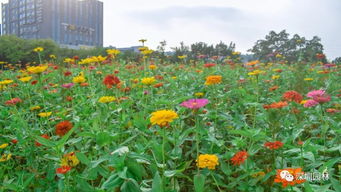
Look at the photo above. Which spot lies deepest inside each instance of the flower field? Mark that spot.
(106, 124)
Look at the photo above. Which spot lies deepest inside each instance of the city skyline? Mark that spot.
(242, 22)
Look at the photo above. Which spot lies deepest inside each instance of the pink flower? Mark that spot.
(13, 101)
(322, 99)
(310, 103)
(316, 93)
(194, 103)
(68, 85)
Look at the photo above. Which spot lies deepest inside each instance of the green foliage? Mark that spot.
(291, 49)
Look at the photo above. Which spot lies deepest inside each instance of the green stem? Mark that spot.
(215, 181)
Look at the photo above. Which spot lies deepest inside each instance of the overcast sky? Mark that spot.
(211, 21)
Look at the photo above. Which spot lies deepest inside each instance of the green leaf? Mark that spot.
(65, 138)
(130, 186)
(199, 183)
(82, 158)
(103, 138)
(336, 184)
(112, 182)
(45, 142)
(157, 183)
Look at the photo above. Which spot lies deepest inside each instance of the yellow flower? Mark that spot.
(106, 99)
(52, 56)
(199, 94)
(6, 82)
(147, 52)
(113, 52)
(235, 53)
(174, 77)
(148, 80)
(163, 117)
(35, 108)
(182, 56)
(256, 72)
(279, 56)
(214, 79)
(308, 79)
(37, 69)
(3, 145)
(70, 160)
(25, 79)
(207, 161)
(79, 79)
(69, 60)
(276, 76)
(303, 102)
(5, 157)
(45, 114)
(38, 49)
(152, 67)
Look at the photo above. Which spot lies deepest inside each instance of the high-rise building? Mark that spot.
(70, 23)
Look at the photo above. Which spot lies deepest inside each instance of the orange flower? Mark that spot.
(278, 105)
(289, 176)
(239, 158)
(214, 79)
(273, 88)
(63, 127)
(273, 145)
(158, 85)
(111, 80)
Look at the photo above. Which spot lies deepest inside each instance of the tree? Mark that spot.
(279, 46)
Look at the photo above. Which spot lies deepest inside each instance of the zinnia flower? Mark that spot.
(70, 160)
(289, 176)
(194, 103)
(148, 80)
(239, 158)
(208, 65)
(214, 79)
(45, 114)
(292, 96)
(273, 145)
(316, 93)
(111, 80)
(68, 85)
(163, 117)
(5, 157)
(63, 127)
(310, 103)
(79, 79)
(207, 161)
(3, 146)
(106, 99)
(63, 169)
(37, 69)
(275, 105)
(13, 101)
(25, 79)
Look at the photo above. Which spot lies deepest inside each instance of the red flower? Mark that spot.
(67, 73)
(111, 80)
(14, 141)
(273, 88)
(292, 96)
(63, 127)
(332, 110)
(208, 65)
(273, 145)
(69, 98)
(75, 57)
(63, 169)
(13, 101)
(43, 136)
(34, 82)
(239, 158)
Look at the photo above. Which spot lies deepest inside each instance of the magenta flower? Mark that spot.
(194, 103)
(316, 93)
(68, 85)
(310, 103)
(319, 96)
